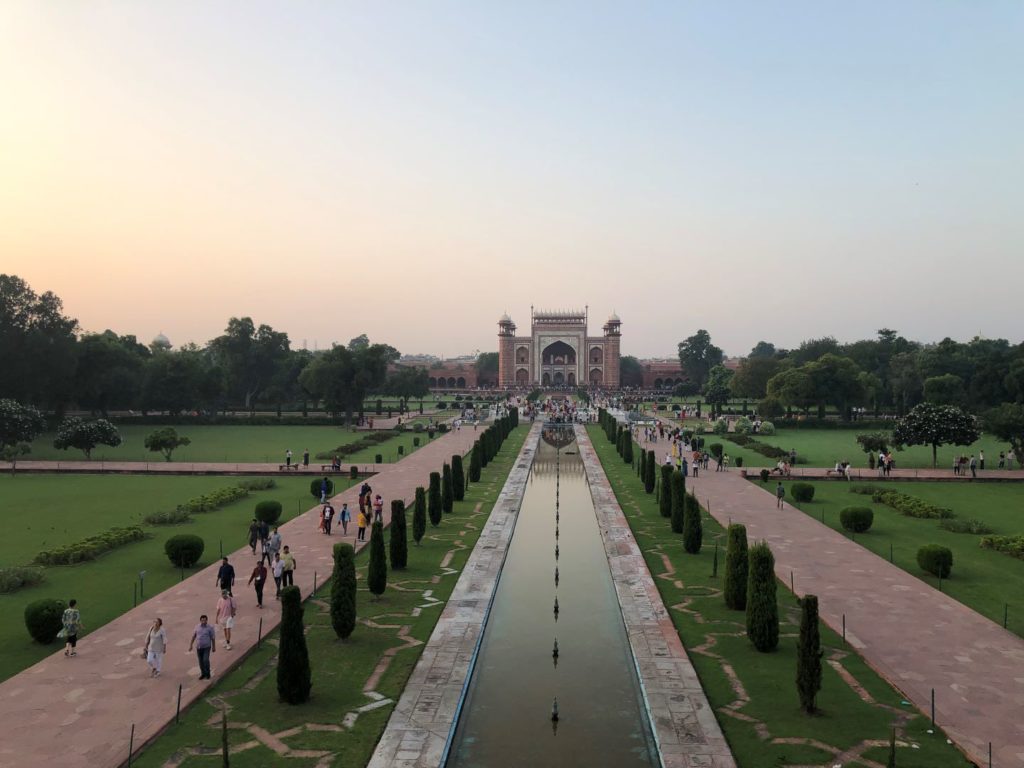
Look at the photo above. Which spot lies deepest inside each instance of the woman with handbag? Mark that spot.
(156, 647)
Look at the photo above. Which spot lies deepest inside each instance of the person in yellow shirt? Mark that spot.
(362, 526)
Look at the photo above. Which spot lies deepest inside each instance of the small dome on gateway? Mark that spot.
(614, 318)
(505, 318)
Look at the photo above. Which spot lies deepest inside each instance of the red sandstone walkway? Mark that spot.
(915, 636)
(79, 712)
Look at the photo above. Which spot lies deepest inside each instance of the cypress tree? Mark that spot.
(642, 465)
(808, 654)
(678, 500)
(377, 575)
(474, 463)
(620, 440)
(447, 493)
(419, 515)
(736, 568)
(458, 478)
(891, 761)
(693, 530)
(398, 543)
(294, 678)
(649, 473)
(434, 499)
(485, 447)
(665, 492)
(343, 590)
(627, 449)
(762, 606)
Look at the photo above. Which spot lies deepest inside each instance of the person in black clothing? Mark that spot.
(226, 576)
(254, 534)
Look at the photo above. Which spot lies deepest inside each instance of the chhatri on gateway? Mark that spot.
(558, 351)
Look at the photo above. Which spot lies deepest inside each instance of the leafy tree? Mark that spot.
(874, 442)
(814, 349)
(419, 515)
(182, 380)
(762, 350)
(649, 468)
(408, 382)
(447, 492)
(1007, 423)
(936, 425)
(836, 381)
(165, 440)
(762, 604)
(487, 368)
(398, 543)
(109, 371)
(697, 356)
(693, 529)
(434, 499)
(627, 447)
(343, 590)
(947, 389)
(905, 381)
(86, 435)
(751, 378)
(475, 466)
(808, 654)
(665, 492)
(343, 376)
(736, 567)
(294, 678)
(19, 426)
(249, 357)
(793, 387)
(377, 572)
(716, 390)
(458, 478)
(631, 372)
(678, 485)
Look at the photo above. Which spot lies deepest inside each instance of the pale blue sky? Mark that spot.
(762, 170)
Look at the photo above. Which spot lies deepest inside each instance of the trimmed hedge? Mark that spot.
(268, 512)
(43, 620)
(184, 550)
(90, 548)
(857, 519)
(175, 517)
(935, 559)
(911, 506)
(1008, 545)
(314, 487)
(964, 526)
(368, 440)
(258, 484)
(802, 492)
(214, 499)
(14, 578)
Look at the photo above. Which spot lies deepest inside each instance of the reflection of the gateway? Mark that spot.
(558, 435)
(546, 467)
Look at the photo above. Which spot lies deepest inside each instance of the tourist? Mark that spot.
(685, 467)
(277, 569)
(345, 516)
(288, 457)
(226, 576)
(204, 639)
(254, 535)
(290, 564)
(1002, 460)
(718, 462)
(225, 613)
(71, 623)
(328, 516)
(264, 532)
(325, 486)
(981, 460)
(305, 458)
(956, 465)
(974, 466)
(258, 578)
(378, 509)
(780, 494)
(156, 647)
(725, 462)
(361, 533)
(696, 463)
(1010, 455)
(273, 545)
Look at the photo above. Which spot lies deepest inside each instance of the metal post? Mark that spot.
(844, 629)
(314, 582)
(792, 584)
(933, 707)
(177, 712)
(940, 580)
(990, 754)
(890, 552)
(222, 548)
(131, 745)
(1006, 613)
(259, 634)
(135, 594)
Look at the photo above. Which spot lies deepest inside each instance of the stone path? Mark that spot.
(917, 637)
(190, 468)
(684, 725)
(418, 732)
(79, 711)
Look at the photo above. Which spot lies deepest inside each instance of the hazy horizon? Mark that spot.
(412, 171)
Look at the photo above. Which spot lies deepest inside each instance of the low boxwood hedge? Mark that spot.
(935, 559)
(268, 511)
(857, 519)
(90, 548)
(185, 549)
(43, 619)
(803, 492)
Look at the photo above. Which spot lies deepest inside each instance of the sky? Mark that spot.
(412, 170)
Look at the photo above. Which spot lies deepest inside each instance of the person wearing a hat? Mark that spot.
(225, 614)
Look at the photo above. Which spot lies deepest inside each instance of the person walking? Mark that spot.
(274, 543)
(981, 460)
(361, 533)
(226, 576)
(288, 457)
(156, 647)
(71, 623)
(378, 509)
(328, 513)
(277, 569)
(264, 532)
(780, 494)
(345, 516)
(974, 466)
(204, 639)
(325, 485)
(290, 565)
(254, 534)
(258, 578)
(225, 612)
(305, 458)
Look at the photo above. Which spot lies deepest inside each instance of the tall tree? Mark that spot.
(717, 391)
(762, 350)
(631, 372)
(249, 357)
(808, 654)
(693, 528)
(434, 499)
(419, 515)
(936, 425)
(1007, 423)
(109, 372)
(751, 378)
(398, 544)
(697, 356)
(19, 426)
(343, 590)
(947, 389)
(343, 376)
(487, 368)
(812, 349)
(762, 603)
(736, 567)
(678, 500)
(294, 678)
(377, 571)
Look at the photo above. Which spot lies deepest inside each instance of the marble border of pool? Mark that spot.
(684, 725)
(421, 727)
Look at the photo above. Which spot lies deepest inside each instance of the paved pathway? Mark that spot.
(915, 636)
(79, 712)
(188, 468)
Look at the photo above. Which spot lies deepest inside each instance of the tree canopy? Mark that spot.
(935, 425)
(697, 356)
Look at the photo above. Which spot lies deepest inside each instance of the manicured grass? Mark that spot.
(340, 669)
(46, 511)
(983, 579)
(715, 640)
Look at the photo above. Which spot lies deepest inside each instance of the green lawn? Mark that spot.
(749, 689)
(983, 579)
(340, 669)
(230, 443)
(43, 511)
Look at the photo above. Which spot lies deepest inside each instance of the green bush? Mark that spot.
(15, 577)
(767, 428)
(965, 526)
(368, 440)
(678, 500)
(353, 472)
(434, 499)
(398, 543)
(447, 491)
(739, 461)
(910, 506)
(419, 515)
(665, 491)
(257, 484)
(90, 548)
(294, 678)
(716, 450)
(214, 499)
(857, 519)
(762, 604)
(935, 559)
(416, 440)
(743, 426)
(808, 654)
(1008, 545)
(343, 590)
(693, 529)
(377, 572)
(475, 462)
(720, 427)
(43, 620)
(649, 475)
(378, 459)
(765, 474)
(268, 512)
(458, 478)
(184, 550)
(802, 492)
(175, 517)
(736, 568)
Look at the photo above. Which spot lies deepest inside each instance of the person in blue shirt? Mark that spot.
(204, 639)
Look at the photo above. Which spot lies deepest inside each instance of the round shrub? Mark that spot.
(353, 472)
(720, 427)
(935, 559)
(739, 461)
(417, 427)
(716, 450)
(268, 512)
(765, 474)
(744, 426)
(43, 620)
(857, 519)
(185, 549)
(802, 492)
(314, 487)
(767, 428)
(401, 450)
(378, 459)
(416, 440)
